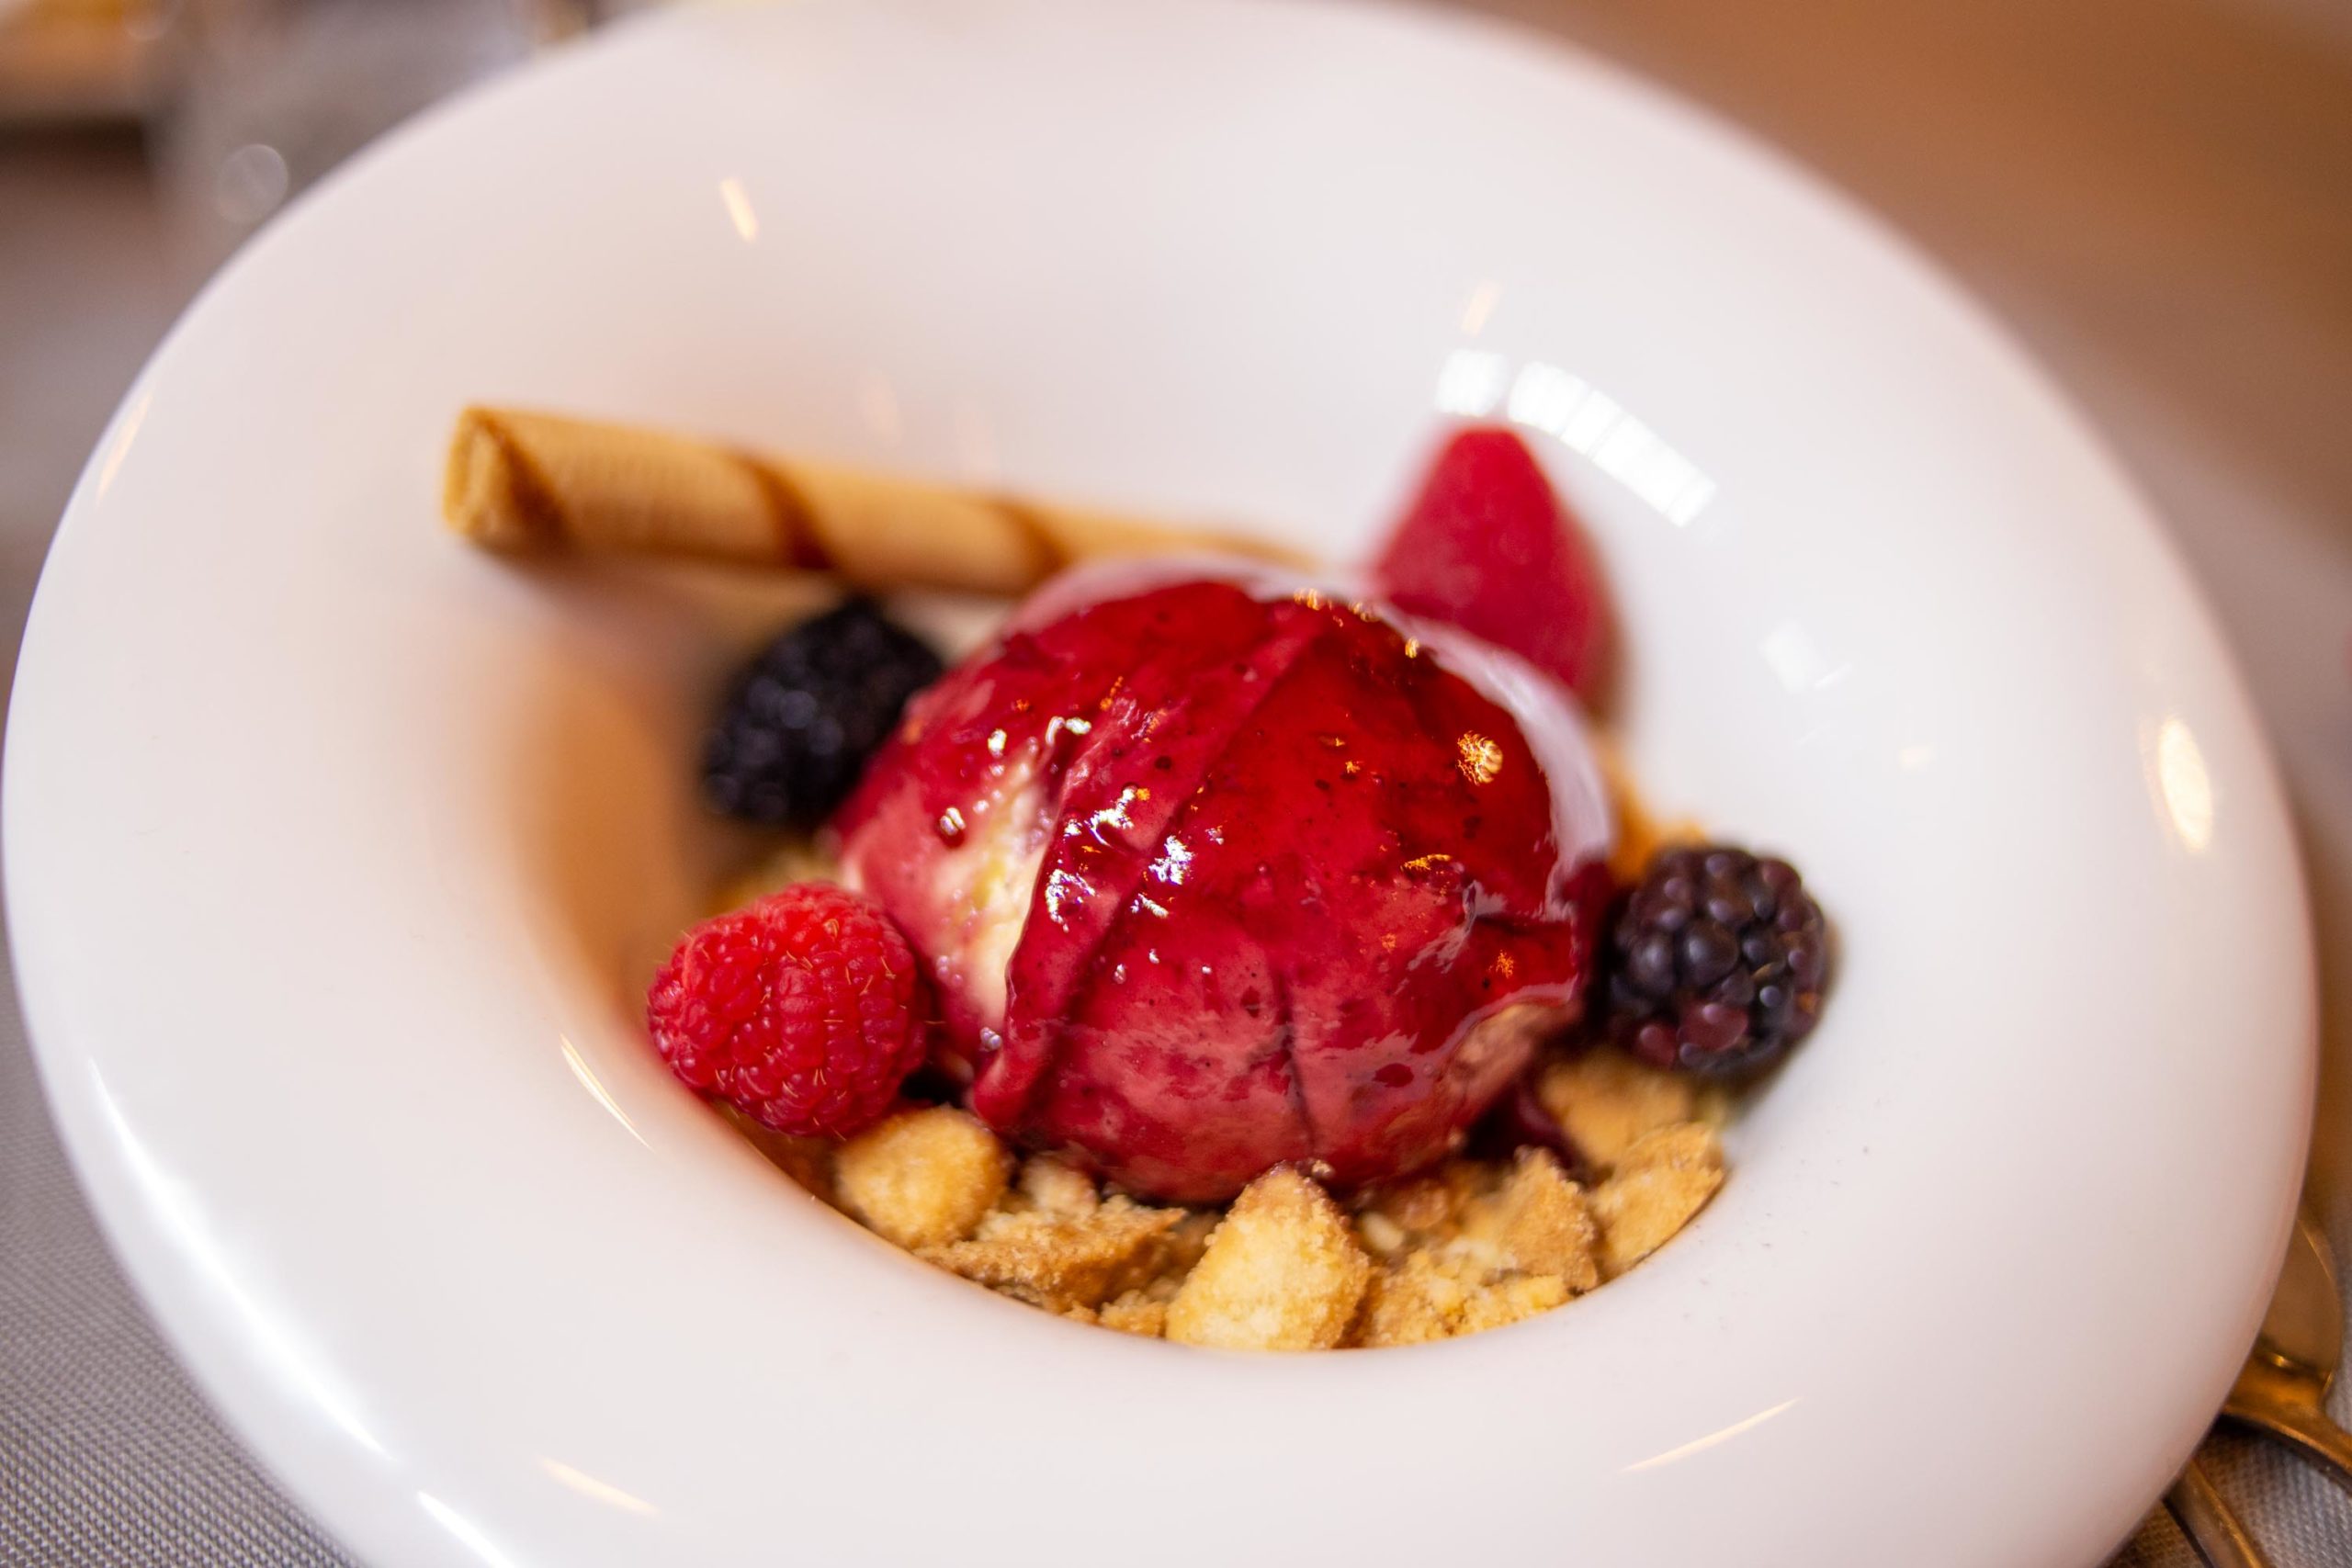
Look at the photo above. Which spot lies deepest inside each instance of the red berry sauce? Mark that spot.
(1290, 858)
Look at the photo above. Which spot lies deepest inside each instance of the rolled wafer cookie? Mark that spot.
(522, 483)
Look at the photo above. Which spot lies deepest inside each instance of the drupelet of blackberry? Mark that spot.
(1715, 962)
(801, 719)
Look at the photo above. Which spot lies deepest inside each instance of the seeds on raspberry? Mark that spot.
(805, 1010)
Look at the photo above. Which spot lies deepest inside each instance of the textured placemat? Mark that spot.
(108, 1457)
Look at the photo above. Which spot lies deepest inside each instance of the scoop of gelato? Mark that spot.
(1216, 874)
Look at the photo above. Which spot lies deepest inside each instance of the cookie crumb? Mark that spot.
(1057, 1262)
(1424, 1209)
(1467, 1247)
(1187, 1240)
(1412, 1302)
(1055, 1186)
(1540, 1224)
(1134, 1313)
(1283, 1272)
(1658, 1184)
(1606, 1100)
(1511, 1301)
(923, 1178)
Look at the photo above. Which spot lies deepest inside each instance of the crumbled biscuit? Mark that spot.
(923, 1178)
(1054, 1186)
(1425, 1209)
(1186, 1242)
(1523, 1245)
(1605, 1100)
(1144, 1309)
(1136, 1313)
(1539, 1222)
(1465, 1182)
(1057, 1262)
(1411, 1208)
(1382, 1237)
(1448, 1290)
(1665, 1177)
(1412, 1302)
(1511, 1300)
(1283, 1272)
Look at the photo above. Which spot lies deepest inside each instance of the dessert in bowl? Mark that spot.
(374, 1122)
(1207, 881)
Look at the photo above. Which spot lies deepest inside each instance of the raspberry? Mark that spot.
(1487, 545)
(1717, 961)
(802, 1010)
(801, 719)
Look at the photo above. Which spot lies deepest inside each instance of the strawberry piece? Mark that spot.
(1487, 545)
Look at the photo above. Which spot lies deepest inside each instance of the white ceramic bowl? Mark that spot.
(335, 848)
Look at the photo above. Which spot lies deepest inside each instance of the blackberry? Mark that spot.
(1715, 962)
(801, 719)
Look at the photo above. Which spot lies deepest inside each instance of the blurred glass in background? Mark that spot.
(245, 102)
(266, 96)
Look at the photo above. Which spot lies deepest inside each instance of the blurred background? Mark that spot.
(2157, 195)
